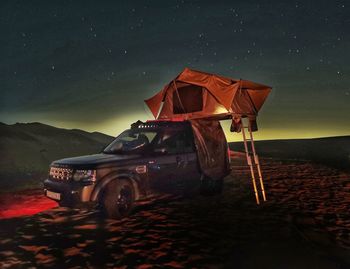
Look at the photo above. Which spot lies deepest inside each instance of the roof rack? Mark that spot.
(170, 119)
(157, 123)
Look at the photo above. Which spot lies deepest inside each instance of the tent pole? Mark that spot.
(257, 163)
(249, 161)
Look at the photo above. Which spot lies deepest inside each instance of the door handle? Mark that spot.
(180, 161)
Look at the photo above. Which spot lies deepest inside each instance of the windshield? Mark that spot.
(131, 141)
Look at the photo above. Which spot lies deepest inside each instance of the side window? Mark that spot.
(177, 142)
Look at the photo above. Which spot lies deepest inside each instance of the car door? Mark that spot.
(167, 167)
(191, 170)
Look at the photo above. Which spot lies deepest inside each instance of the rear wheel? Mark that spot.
(118, 199)
(211, 186)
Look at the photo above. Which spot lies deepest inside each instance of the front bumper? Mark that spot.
(70, 193)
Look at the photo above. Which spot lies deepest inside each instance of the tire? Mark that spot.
(118, 199)
(210, 186)
(63, 204)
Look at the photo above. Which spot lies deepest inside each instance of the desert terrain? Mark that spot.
(304, 224)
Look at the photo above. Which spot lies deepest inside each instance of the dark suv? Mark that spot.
(150, 158)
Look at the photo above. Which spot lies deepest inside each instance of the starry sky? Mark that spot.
(90, 64)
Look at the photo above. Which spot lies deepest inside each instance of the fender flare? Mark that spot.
(103, 182)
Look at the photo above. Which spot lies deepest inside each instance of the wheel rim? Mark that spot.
(124, 200)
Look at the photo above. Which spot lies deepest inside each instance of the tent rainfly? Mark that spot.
(202, 98)
(195, 94)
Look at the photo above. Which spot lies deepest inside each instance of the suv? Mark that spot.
(147, 159)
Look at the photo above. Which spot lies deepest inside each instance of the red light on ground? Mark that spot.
(24, 203)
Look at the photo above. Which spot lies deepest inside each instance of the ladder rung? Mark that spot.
(249, 160)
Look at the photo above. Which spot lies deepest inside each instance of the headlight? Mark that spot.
(85, 175)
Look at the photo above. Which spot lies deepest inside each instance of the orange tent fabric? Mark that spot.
(195, 94)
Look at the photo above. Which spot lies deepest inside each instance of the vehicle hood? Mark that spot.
(95, 159)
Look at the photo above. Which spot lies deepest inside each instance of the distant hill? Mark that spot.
(27, 149)
(332, 151)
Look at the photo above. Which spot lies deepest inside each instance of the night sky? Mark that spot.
(90, 64)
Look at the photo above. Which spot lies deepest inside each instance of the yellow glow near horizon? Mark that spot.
(114, 127)
(294, 130)
(111, 127)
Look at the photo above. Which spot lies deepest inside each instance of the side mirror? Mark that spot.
(160, 150)
(103, 148)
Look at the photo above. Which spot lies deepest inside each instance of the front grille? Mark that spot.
(61, 173)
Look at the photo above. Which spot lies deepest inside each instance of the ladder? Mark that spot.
(253, 166)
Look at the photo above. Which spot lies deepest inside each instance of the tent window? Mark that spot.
(191, 97)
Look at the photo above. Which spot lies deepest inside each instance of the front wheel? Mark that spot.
(118, 199)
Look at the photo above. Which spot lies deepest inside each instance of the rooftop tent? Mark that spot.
(204, 99)
(195, 94)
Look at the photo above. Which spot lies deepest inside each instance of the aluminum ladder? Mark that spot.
(253, 166)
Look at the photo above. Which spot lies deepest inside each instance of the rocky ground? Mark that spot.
(304, 224)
